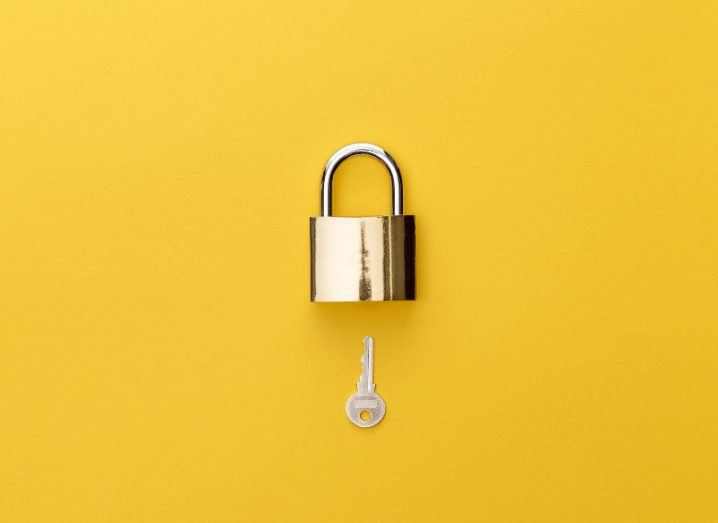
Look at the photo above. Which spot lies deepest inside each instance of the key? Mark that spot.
(365, 408)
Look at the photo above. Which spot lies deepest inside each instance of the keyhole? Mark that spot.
(365, 415)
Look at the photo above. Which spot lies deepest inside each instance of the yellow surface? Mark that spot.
(160, 360)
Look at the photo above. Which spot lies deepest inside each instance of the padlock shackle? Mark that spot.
(342, 154)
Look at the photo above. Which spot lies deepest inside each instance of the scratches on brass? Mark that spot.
(364, 279)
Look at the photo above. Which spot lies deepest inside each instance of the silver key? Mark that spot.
(365, 407)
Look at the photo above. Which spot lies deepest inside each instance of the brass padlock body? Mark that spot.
(363, 259)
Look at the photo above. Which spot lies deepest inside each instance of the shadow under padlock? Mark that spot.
(365, 258)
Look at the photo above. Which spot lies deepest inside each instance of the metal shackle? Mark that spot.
(397, 190)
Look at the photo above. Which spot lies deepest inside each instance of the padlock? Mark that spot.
(366, 258)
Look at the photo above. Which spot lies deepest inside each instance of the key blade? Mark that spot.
(366, 380)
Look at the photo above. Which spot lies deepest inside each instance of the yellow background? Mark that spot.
(159, 356)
